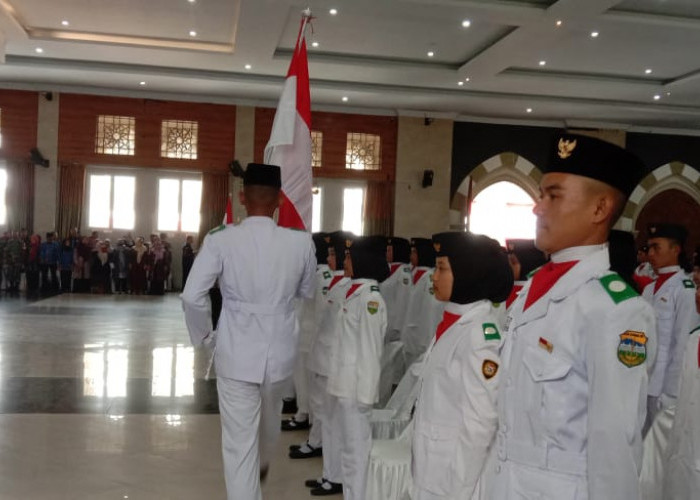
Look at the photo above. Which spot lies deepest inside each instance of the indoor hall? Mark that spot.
(426, 116)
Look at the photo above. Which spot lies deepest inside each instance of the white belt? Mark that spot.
(262, 309)
(544, 457)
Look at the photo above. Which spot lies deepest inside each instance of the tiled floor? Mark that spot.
(101, 397)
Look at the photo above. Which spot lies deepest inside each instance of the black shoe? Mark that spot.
(293, 447)
(306, 451)
(263, 472)
(314, 483)
(293, 425)
(289, 406)
(327, 488)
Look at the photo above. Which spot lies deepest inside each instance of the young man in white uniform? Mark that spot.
(578, 343)
(261, 268)
(455, 416)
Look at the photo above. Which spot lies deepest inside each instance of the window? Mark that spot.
(3, 190)
(115, 135)
(179, 204)
(316, 203)
(111, 204)
(503, 211)
(363, 152)
(179, 139)
(316, 148)
(353, 202)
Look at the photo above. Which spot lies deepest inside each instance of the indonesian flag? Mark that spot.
(290, 140)
(228, 217)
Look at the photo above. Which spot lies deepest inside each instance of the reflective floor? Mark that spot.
(102, 397)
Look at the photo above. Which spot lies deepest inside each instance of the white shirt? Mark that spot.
(261, 268)
(396, 291)
(423, 314)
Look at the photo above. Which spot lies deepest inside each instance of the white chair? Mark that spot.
(389, 471)
(390, 421)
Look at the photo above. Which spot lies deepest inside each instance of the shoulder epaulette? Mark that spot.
(490, 331)
(374, 288)
(326, 275)
(696, 329)
(688, 284)
(617, 288)
(218, 228)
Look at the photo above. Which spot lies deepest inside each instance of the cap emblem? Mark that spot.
(437, 247)
(566, 147)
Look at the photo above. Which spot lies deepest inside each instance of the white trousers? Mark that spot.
(300, 384)
(331, 437)
(655, 454)
(317, 395)
(250, 426)
(353, 420)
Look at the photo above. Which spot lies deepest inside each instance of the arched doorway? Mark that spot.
(671, 205)
(503, 211)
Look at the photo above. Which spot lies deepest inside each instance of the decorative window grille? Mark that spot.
(115, 135)
(363, 152)
(316, 148)
(179, 139)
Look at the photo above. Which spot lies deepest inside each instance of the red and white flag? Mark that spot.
(290, 140)
(228, 217)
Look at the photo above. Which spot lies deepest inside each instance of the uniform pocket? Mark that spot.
(434, 447)
(544, 366)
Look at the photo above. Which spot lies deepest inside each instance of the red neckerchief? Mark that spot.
(335, 280)
(641, 281)
(353, 287)
(418, 275)
(394, 267)
(545, 279)
(513, 294)
(663, 278)
(448, 319)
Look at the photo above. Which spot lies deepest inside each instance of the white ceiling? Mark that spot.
(375, 53)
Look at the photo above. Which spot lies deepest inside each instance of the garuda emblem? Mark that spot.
(566, 147)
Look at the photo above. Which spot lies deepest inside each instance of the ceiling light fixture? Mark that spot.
(466, 23)
(558, 23)
(345, 98)
(193, 33)
(657, 97)
(529, 110)
(333, 12)
(668, 93)
(142, 83)
(648, 71)
(431, 53)
(594, 34)
(39, 50)
(248, 67)
(192, 1)
(466, 79)
(314, 44)
(65, 23)
(460, 83)
(542, 63)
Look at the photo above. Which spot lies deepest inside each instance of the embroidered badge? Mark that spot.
(406, 281)
(490, 331)
(327, 275)
(489, 368)
(372, 307)
(325, 290)
(545, 344)
(632, 350)
(437, 247)
(566, 147)
(374, 288)
(688, 284)
(432, 291)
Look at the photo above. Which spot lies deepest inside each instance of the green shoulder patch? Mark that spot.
(533, 272)
(218, 228)
(697, 329)
(688, 284)
(374, 288)
(617, 288)
(490, 331)
(326, 275)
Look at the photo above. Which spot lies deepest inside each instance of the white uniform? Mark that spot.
(674, 305)
(574, 384)
(261, 268)
(455, 417)
(423, 314)
(354, 379)
(319, 364)
(682, 477)
(396, 291)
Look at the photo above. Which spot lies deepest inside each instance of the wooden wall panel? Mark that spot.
(78, 123)
(335, 127)
(20, 111)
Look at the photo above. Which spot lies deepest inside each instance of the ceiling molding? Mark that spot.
(647, 18)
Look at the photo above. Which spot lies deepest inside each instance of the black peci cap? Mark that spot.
(261, 174)
(595, 159)
(402, 249)
(321, 242)
(674, 232)
(479, 265)
(368, 256)
(425, 251)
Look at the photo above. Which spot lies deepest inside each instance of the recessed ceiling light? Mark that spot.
(466, 23)
(460, 83)
(345, 98)
(193, 33)
(529, 110)
(668, 93)
(65, 23)
(333, 12)
(466, 79)
(594, 34)
(542, 63)
(248, 66)
(657, 97)
(192, 1)
(431, 53)
(314, 44)
(39, 50)
(648, 71)
(558, 23)
(142, 83)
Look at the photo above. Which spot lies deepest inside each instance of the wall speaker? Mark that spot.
(37, 158)
(427, 178)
